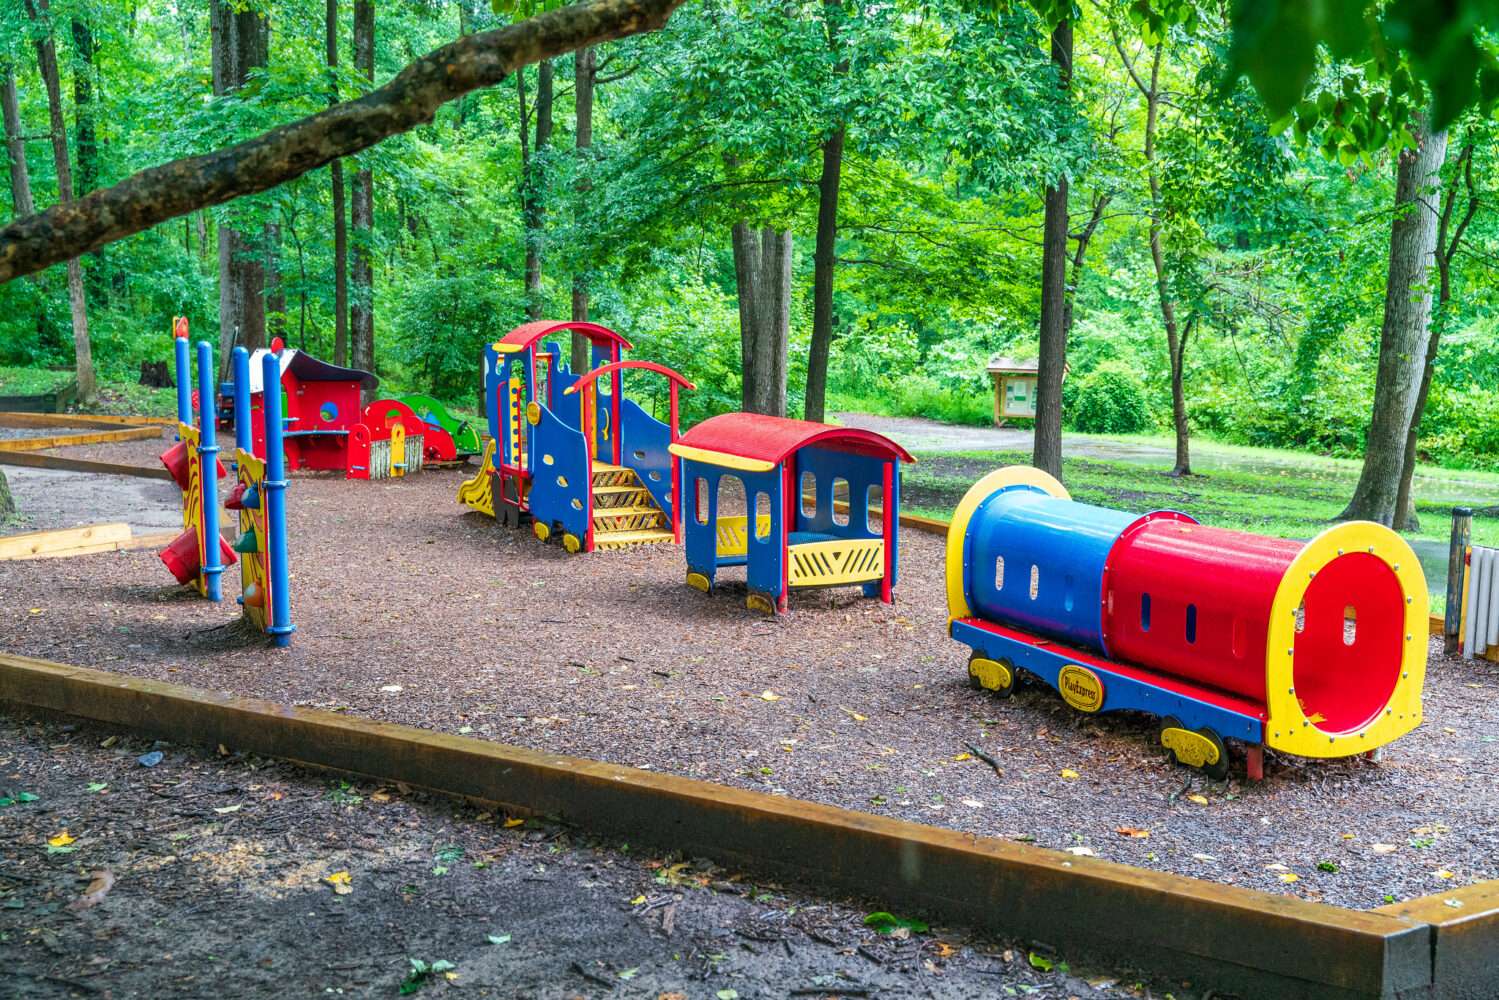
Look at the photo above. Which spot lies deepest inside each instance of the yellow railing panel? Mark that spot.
(733, 539)
(821, 564)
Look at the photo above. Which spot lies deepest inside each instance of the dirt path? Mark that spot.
(230, 876)
(411, 608)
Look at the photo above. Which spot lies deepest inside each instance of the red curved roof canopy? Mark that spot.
(527, 334)
(766, 440)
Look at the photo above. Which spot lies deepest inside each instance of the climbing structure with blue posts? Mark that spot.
(259, 497)
(569, 451)
(198, 556)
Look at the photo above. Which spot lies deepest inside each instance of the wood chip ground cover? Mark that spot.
(412, 608)
(225, 875)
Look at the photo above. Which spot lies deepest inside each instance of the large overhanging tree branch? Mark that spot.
(160, 193)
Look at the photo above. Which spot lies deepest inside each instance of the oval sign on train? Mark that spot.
(1081, 688)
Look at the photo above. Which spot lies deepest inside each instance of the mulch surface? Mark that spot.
(414, 609)
(221, 874)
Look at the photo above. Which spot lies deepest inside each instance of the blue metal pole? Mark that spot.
(184, 383)
(213, 564)
(242, 436)
(272, 494)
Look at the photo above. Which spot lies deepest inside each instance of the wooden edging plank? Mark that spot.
(1464, 938)
(11, 418)
(67, 541)
(62, 462)
(65, 440)
(1243, 942)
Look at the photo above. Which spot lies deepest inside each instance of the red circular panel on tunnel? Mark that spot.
(1347, 666)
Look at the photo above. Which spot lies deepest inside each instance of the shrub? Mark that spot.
(1111, 400)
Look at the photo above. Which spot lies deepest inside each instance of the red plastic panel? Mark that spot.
(529, 333)
(1208, 593)
(1343, 681)
(770, 439)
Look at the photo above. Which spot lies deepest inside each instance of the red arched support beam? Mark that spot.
(677, 382)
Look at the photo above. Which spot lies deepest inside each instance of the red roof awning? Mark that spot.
(754, 442)
(527, 334)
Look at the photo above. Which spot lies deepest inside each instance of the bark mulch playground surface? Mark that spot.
(413, 609)
(225, 875)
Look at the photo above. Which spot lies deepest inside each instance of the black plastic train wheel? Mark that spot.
(985, 674)
(1198, 746)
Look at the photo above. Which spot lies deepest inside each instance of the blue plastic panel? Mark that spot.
(765, 557)
(1053, 554)
(643, 448)
(560, 487)
(1120, 691)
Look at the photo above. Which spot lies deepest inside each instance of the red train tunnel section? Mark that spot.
(1194, 601)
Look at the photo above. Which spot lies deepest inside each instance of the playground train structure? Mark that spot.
(1316, 649)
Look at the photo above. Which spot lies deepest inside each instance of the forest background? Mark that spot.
(644, 182)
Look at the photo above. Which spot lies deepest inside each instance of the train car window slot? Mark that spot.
(999, 573)
(1144, 612)
(1350, 625)
(1191, 623)
(701, 496)
(1035, 580)
(841, 519)
(1301, 617)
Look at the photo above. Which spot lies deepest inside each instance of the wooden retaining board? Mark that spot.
(1241, 942)
(35, 461)
(91, 437)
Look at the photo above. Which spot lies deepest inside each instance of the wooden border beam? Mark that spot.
(64, 440)
(32, 460)
(1235, 940)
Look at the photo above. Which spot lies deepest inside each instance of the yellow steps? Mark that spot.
(621, 539)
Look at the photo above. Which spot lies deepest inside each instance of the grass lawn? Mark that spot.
(122, 398)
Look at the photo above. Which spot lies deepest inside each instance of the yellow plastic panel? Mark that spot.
(822, 564)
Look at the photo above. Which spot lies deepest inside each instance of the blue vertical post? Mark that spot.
(184, 383)
(242, 436)
(213, 560)
(272, 495)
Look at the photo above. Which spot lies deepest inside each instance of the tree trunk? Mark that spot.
(1403, 338)
(585, 66)
(340, 220)
(1051, 364)
(46, 57)
(289, 151)
(762, 274)
(824, 261)
(362, 274)
(532, 168)
(240, 41)
(15, 146)
(275, 292)
(83, 111)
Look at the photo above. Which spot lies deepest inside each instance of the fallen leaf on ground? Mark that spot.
(1068, 772)
(854, 715)
(62, 838)
(1199, 799)
(1382, 848)
(223, 810)
(341, 882)
(943, 949)
(1289, 877)
(1131, 831)
(97, 786)
(770, 696)
(499, 938)
(391, 687)
(1085, 852)
(1204, 857)
(637, 901)
(973, 803)
(1444, 873)
(96, 891)
(963, 756)
(514, 822)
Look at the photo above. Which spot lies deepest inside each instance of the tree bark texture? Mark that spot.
(362, 271)
(762, 274)
(340, 219)
(15, 146)
(1051, 363)
(533, 184)
(585, 72)
(275, 291)
(1449, 241)
(824, 261)
(1403, 337)
(289, 151)
(83, 110)
(46, 56)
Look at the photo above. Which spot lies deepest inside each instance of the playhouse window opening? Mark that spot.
(809, 494)
(874, 520)
(700, 496)
(841, 492)
(762, 524)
